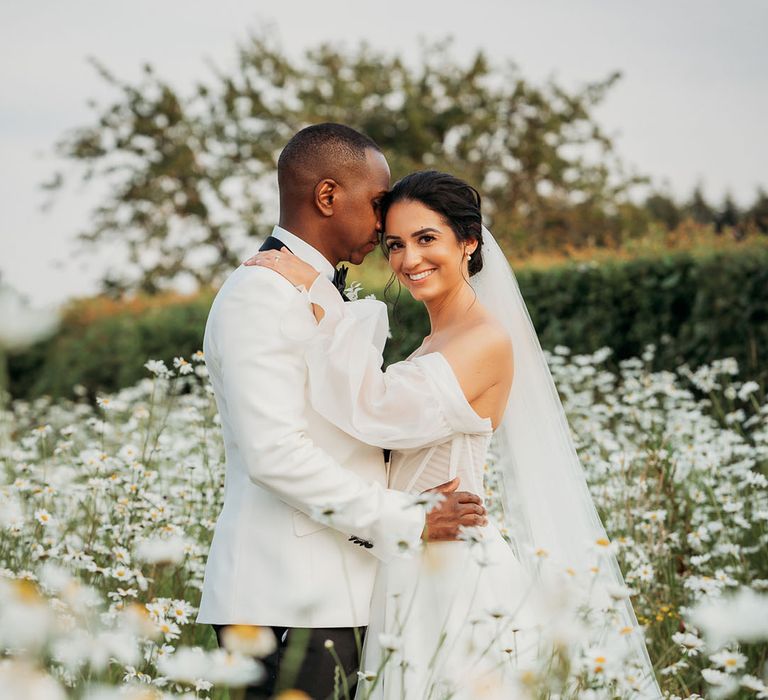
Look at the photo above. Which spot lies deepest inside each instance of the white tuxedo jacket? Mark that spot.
(270, 563)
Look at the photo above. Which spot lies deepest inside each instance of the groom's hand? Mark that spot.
(457, 509)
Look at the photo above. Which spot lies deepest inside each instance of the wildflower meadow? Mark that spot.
(107, 509)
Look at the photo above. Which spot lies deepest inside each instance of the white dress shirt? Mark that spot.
(300, 248)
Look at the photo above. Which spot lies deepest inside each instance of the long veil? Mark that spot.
(548, 509)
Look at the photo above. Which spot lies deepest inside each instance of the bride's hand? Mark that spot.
(294, 269)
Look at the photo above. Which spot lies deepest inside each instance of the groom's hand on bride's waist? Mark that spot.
(457, 509)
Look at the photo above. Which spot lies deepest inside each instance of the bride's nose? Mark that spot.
(411, 257)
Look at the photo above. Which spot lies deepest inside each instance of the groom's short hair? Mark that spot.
(320, 151)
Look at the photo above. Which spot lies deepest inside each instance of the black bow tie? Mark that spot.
(340, 280)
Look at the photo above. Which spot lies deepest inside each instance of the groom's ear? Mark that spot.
(325, 194)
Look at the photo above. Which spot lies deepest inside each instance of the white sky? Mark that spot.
(692, 105)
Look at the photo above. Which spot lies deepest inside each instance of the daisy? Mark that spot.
(43, 516)
(731, 661)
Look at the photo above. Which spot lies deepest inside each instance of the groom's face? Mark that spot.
(358, 226)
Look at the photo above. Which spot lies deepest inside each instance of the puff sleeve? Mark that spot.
(414, 403)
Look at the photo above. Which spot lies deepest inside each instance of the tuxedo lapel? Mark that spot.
(340, 281)
(272, 243)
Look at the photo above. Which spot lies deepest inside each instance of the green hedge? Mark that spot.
(109, 353)
(695, 309)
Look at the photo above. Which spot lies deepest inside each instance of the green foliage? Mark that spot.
(699, 209)
(663, 209)
(757, 216)
(694, 309)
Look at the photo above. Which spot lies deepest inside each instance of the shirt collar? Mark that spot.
(306, 252)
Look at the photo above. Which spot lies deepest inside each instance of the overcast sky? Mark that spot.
(692, 105)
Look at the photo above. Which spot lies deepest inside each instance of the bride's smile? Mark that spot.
(417, 277)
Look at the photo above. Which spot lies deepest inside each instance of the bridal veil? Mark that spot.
(548, 510)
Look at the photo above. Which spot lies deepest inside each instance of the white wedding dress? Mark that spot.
(453, 619)
(460, 612)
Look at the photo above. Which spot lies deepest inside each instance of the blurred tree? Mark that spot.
(757, 215)
(189, 178)
(729, 216)
(698, 208)
(663, 209)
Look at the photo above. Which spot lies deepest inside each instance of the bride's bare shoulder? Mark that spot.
(488, 338)
(481, 358)
(497, 342)
(484, 345)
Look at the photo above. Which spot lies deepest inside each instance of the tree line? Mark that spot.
(190, 177)
(727, 216)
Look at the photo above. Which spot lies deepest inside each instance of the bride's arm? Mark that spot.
(397, 408)
(413, 403)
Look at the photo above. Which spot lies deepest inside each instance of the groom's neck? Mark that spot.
(309, 233)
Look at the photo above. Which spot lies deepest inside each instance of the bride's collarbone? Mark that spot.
(456, 337)
(464, 342)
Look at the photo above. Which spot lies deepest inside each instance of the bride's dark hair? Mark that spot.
(456, 201)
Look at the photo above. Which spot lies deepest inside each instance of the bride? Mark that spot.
(478, 617)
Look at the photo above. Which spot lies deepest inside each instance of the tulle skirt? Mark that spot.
(456, 619)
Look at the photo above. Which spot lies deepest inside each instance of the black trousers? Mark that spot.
(303, 662)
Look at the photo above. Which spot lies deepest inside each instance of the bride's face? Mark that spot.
(424, 252)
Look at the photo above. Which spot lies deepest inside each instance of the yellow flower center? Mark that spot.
(528, 678)
(245, 632)
(27, 591)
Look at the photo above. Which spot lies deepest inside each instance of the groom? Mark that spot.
(272, 561)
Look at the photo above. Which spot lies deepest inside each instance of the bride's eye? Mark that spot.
(391, 245)
(426, 238)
